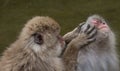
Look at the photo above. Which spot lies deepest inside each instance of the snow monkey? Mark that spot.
(39, 46)
(101, 54)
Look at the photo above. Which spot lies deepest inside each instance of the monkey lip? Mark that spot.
(103, 27)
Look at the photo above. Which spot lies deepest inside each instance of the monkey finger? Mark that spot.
(91, 40)
(80, 25)
(92, 34)
(88, 42)
(92, 28)
(78, 29)
(88, 27)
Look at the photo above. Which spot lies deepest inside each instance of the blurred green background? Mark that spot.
(69, 13)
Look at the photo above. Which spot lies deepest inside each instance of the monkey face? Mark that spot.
(42, 35)
(102, 27)
(103, 30)
(48, 42)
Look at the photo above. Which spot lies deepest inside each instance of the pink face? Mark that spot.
(100, 25)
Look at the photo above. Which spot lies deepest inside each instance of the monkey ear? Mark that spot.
(38, 38)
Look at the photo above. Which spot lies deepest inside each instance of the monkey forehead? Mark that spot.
(41, 23)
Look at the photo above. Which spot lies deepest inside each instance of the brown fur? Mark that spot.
(71, 52)
(22, 55)
(70, 55)
(25, 55)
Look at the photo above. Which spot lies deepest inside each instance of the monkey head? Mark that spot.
(104, 31)
(42, 35)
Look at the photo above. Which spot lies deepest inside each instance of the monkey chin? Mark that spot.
(104, 31)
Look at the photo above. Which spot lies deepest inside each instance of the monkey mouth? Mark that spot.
(103, 27)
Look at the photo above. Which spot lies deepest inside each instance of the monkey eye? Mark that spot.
(38, 38)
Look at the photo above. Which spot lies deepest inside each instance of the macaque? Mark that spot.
(101, 54)
(39, 46)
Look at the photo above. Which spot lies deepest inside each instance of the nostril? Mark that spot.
(103, 23)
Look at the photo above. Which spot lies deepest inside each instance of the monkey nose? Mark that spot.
(62, 41)
(60, 38)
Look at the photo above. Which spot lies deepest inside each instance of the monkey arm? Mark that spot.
(70, 54)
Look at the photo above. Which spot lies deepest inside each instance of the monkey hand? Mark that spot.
(72, 34)
(85, 37)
